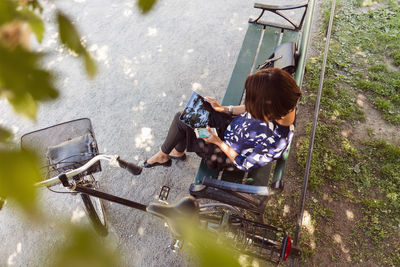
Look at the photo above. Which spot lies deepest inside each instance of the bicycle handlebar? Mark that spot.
(130, 167)
(113, 160)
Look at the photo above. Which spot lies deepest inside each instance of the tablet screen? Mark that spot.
(197, 112)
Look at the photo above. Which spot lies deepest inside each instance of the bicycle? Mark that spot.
(253, 238)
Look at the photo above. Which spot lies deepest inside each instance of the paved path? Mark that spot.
(148, 66)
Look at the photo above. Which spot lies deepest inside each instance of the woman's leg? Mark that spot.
(174, 144)
(176, 138)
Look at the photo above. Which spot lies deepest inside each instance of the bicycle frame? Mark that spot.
(188, 206)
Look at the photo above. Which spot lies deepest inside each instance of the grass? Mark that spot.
(364, 175)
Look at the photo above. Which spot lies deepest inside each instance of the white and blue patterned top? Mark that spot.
(257, 142)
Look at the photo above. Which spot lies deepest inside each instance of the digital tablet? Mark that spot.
(197, 112)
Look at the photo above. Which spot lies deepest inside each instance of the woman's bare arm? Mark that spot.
(229, 152)
(237, 110)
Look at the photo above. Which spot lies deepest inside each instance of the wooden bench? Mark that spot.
(252, 190)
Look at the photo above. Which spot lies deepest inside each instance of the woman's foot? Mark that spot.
(158, 159)
(175, 154)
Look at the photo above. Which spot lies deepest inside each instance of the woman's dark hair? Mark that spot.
(270, 93)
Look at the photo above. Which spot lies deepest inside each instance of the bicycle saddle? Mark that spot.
(176, 214)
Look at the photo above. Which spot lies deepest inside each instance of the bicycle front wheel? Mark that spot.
(95, 210)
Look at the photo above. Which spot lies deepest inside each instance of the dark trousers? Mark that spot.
(181, 137)
(177, 136)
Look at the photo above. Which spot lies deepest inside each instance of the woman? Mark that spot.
(259, 134)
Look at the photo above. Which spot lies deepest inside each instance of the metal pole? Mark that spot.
(316, 112)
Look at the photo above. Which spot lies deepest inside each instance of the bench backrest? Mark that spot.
(259, 44)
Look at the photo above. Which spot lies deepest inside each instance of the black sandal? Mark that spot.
(181, 158)
(148, 165)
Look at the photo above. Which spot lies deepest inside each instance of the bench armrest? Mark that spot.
(242, 188)
(276, 9)
(280, 7)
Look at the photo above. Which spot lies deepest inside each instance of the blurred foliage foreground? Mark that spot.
(24, 83)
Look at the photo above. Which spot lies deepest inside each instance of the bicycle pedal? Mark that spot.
(176, 245)
(163, 196)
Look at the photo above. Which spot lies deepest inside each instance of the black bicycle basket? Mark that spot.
(64, 147)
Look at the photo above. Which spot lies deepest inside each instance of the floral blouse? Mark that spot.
(257, 142)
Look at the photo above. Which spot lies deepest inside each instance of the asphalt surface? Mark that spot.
(148, 67)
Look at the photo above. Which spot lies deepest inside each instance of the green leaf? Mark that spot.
(82, 248)
(146, 5)
(23, 81)
(34, 22)
(210, 249)
(35, 5)
(5, 135)
(90, 66)
(24, 104)
(18, 173)
(69, 36)
(8, 11)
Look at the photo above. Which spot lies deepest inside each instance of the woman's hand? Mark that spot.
(214, 139)
(214, 103)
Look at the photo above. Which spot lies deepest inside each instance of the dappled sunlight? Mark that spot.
(140, 230)
(145, 139)
(345, 133)
(309, 226)
(286, 210)
(335, 114)
(145, 55)
(189, 51)
(50, 41)
(128, 68)
(65, 81)
(11, 258)
(51, 64)
(326, 197)
(360, 100)
(196, 86)
(140, 107)
(160, 48)
(338, 239)
(152, 32)
(128, 11)
(79, 1)
(350, 215)
(307, 222)
(77, 215)
(14, 129)
(100, 53)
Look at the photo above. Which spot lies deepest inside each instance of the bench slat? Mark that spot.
(204, 171)
(269, 42)
(234, 92)
(289, 36)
